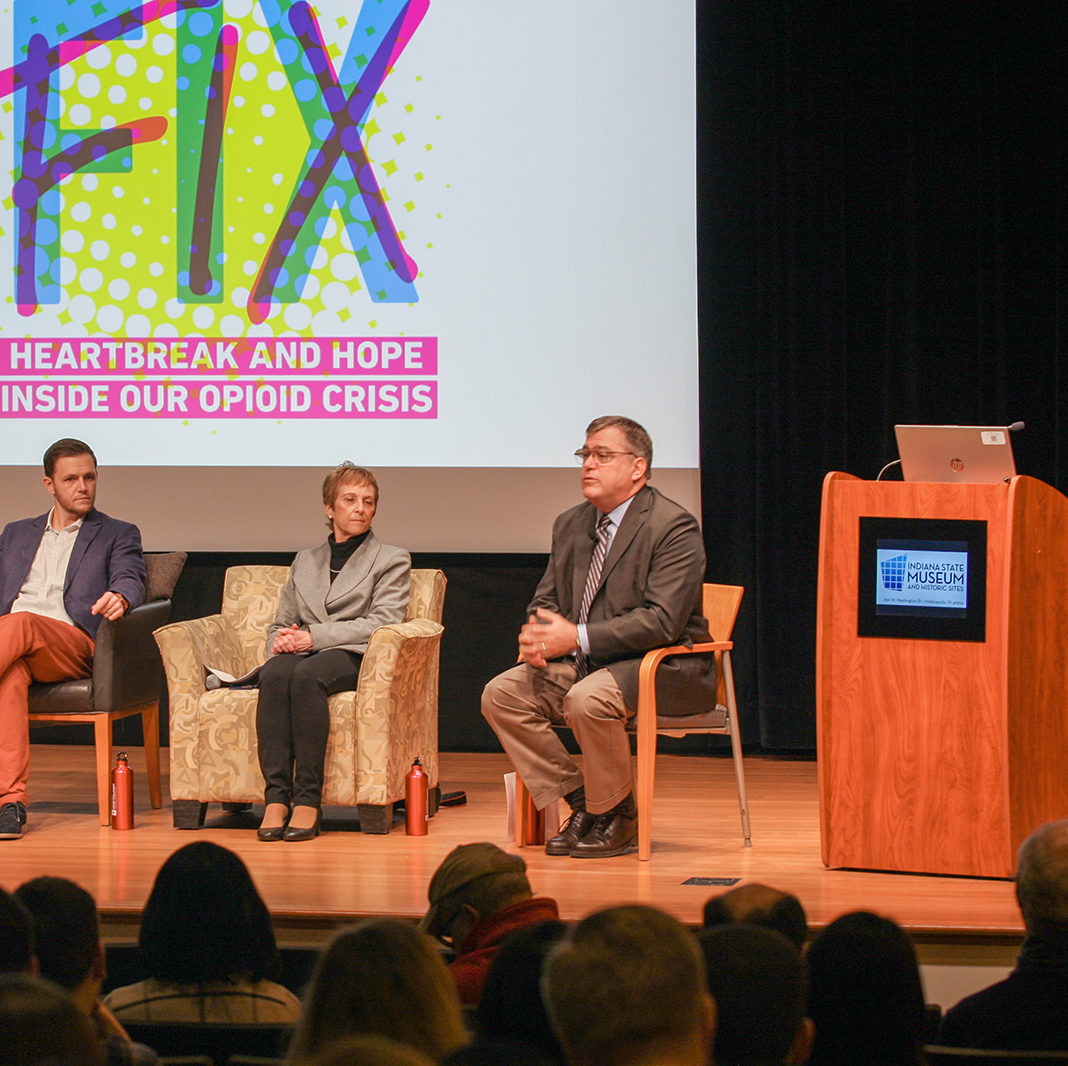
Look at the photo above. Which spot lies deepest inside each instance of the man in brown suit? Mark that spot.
(624, 577)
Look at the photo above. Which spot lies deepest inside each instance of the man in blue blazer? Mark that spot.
(61, 574)
(625, 576)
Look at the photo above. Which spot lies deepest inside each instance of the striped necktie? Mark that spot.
(593, 579)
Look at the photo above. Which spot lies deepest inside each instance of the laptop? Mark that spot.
(964, 454)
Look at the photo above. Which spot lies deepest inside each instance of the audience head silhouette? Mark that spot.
(205, 921)
(627, 986)
(384, 976)
(16, 936)
(511, 1007)
(757, 978)
(865, 993)
(41, 1026)
(1042, 879)
(66, 929)
(472, 881)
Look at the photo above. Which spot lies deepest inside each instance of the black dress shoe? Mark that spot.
(572, 831)
(307, 833)
(12, 819)
(613, 834)
(273, 832)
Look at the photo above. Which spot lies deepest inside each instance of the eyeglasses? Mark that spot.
(600, 456)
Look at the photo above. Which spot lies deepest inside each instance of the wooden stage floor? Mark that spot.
(314, 887)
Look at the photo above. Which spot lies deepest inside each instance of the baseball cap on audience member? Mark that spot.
(464, 864)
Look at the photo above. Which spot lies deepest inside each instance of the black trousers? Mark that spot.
(293, 720)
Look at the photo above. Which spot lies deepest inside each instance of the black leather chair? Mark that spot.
(127, 679)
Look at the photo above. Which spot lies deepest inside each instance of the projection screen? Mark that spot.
(245, 239)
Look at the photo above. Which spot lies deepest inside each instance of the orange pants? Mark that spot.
(32, 648)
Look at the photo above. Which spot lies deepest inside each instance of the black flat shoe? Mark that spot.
(308, 833)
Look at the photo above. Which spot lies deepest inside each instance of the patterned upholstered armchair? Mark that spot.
(375, 731)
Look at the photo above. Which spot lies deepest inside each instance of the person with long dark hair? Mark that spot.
(208, 947)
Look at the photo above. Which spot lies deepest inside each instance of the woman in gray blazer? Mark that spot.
(337, 594)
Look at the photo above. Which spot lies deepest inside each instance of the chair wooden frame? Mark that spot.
(126, 668)
(721, 604)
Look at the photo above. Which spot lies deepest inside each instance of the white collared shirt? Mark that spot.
(42, 591)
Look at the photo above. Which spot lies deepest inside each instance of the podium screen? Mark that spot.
(922, 578)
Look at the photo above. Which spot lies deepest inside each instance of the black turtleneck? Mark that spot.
(341, 553)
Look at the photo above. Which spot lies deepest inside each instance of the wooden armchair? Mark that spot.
(720, 605)
(375, 731)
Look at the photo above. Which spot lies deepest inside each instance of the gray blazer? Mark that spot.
(372, 590)
(649, 597)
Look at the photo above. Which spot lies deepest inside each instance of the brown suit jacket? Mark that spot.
(649, 596)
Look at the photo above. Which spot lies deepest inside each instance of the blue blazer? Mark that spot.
(106, 556)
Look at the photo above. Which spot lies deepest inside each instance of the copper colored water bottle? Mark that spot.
(122, 806)
(415, 807)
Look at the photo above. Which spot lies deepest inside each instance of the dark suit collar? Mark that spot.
(91, 525)
(636, 516)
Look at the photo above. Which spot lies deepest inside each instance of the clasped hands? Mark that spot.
(546, 635)
(294, 639)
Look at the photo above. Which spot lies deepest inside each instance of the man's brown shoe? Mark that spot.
(613, 834)
(571, 832)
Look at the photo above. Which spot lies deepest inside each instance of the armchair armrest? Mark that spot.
(384, 653)
(187, 649)
(126, 663)
(651, 662)
(397, 697)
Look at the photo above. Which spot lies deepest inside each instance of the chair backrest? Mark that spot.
(428, 595)
(721, 605)
(251, 595)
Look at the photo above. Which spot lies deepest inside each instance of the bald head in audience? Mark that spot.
(758, 904)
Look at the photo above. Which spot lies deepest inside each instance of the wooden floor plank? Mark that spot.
(345, 874)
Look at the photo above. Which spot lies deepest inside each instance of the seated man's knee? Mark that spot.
(490, 697)
(593, 697)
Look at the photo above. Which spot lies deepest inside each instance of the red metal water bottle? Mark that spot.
(122, 805)
(415, 805)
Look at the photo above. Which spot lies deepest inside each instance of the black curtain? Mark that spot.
(881, 213)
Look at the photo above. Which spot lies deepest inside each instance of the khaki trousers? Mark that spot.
(32, 648)
(523, 703)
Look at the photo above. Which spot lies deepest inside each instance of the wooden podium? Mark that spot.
(941, 756)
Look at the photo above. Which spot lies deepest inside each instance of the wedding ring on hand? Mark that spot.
(543, 646)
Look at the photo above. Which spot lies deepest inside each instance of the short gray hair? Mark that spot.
(1042, 878)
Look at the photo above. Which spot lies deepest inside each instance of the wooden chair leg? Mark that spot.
(150, 729)
(102, 743)
(645, 779)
